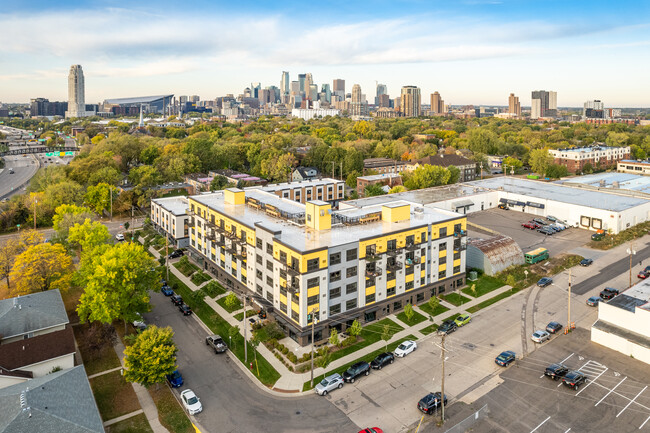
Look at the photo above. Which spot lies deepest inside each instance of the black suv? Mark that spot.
(608, 293)
(430, 402)
(356, 370)
(447, 327)
(556, 371)
(176, 254)
(176, 299)
(382, 359)
(574, 379)
(185, 309)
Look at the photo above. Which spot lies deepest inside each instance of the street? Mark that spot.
(24, 168)
(231, 403)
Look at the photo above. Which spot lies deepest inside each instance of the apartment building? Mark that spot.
(383, 165)
(169, 216)
(326, 189)
(598, 156)
(386, 179)
(634, 167)
(306, 261)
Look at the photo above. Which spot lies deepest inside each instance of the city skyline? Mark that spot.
(480, 52)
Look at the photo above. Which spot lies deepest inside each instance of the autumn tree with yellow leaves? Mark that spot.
(41, 267)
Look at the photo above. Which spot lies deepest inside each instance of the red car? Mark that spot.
(530, 225)
(644, 273)
(372, 430)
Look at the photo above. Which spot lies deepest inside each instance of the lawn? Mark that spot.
(199, 278)
(170, 413)
(213, 289)
(115, 396)
(267, 374)
(491, 301)
(429, 329)
(249, 313)
(484, 284)
(417, 318)
(222, 301)
(451, 317)
(103, 360)
(185, 266)
(370, 334)
(135, 424)
(369, 357)
(455, 299)
(433, 312)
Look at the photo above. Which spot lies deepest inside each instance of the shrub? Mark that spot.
(285, 350)
(213, 289)
(349, 341)
(292, 357)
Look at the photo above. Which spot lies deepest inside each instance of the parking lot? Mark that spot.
(614, 399)
(508, 222)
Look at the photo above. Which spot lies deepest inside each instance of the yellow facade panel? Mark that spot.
(442, 267)
(409, 278)
(313, 291)
(390, 284)
(370, 290)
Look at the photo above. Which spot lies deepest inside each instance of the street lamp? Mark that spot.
(631, 252)
(313, 322)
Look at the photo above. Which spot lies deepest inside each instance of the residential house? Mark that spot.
(466, 166)
(304, 173)
(389, 179)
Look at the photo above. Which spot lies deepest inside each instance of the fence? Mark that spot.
(465, 424)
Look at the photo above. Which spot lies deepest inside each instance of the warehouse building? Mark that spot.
(494, 254)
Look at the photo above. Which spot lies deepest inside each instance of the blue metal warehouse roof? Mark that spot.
(138, 99)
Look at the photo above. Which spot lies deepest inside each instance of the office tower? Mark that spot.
(274, 94)
(195, 98)
(76, 93)
(356, 104)
(514, 107)
(325, 88)
(383, 101)
(410, 101)
(309, 80)
(255, 90)
(338, 88)
(313, 92)
(182, 99)
(437, 104)
(594, 109)
(295, 88)
(301, 80)
(284, 83)
(381, 90)
(543, 104)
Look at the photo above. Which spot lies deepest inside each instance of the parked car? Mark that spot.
(545, 281)
(431, 402)
(505, 358)
(530, 225)
(447, 327)
(644, 273)
(382, 359)
(463, 319)
(175, 379)
(574, 379)
(356, 370)
(217, 343)
(593, 301)
(608, 293)
(546, 230)
(503, 206)
(166, 290)
(551, 218)
(177, 300)
(553, 327)
(191, 402)
(540, 336)
(330, 383)
(556, 371)
(586, 262)
(119, 237)
(371, 430)
(598, 235)
(139, 323)
(176, 254)
(405, 348)
(540, 221)
(185, 309)
(557, 227)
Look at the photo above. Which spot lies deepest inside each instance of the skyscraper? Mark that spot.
(437, 104)
(595, 109)
(313, 92)
(325, 88)
(301, 80)
(514, 107)
(381, 90)
(76, 93)
(284, 83)
(543, 104)
(410, 101)
(338, 88)
(356, 104)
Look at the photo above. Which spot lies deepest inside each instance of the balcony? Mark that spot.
(291, 270)
(373, 257)
(460, 233)
(372, 273)
(220, 241)
(393, 265)
(412, 247)
(291, 287)
(413, 261)
(393, 253)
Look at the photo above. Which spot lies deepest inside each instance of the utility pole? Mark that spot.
(442, 386)
(341, 172)
(631, 252)
(132, 228)
(111, 194)
(36, 201)
(243, 321)
(568, 326)
(167, 256)
(313, 321)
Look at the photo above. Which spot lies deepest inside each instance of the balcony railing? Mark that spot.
(412, 247)
(413, 261)
(373, 257)
(371, 273)
(393, 266)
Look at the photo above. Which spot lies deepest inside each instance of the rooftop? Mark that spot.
(57, 402)
(176, 205)
(298, 184)
(294, 233)
(613, 180)
(22, 353)
(586, 149)
(374, 177)
(640, 293)
(31, 312)
(138, 99)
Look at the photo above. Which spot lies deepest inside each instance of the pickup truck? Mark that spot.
(217, 343)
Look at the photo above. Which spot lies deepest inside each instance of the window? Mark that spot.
(443, 232)
(312, 265)
(294, 315)
(422, 281)
(370, 282)
(390, 276)
(259, 243)
(269, 281)
(269, 248)
(351, 254)
(456, 255)
(269, 296)
(350, 288)
(335, 276)
(410, 240)
(351, 304)
(233, 270)
(283, 291)
(312, 300)
(370, 298)
(443, 246)
(335, 309)
(283, 274)
(409, 285)
(397, 305)
(457, 228)
(442, 260)
(441, 275)
(419, 297)
(456, 269)
(390, 292)
(259, 259)
(312, 282)
(295, 265)
(259, 274)
(283, 257)
(259, 289)
(351, 272)
(335, 292)
(283, 307)
(370, 250)
(392, 245)
(335, 259)
(269, 265)
(410, 270)
(423, 237)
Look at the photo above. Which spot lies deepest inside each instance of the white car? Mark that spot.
(191, 402)
(139, 323)
(540, 336)
(330, 383)
(405, 348)
(119, 237)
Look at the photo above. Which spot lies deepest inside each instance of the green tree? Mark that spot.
(511, 163)
(408, 312)
(218, 183)
(373, 190)
(13, 247)
(355, 329)
(397, 189)
(116, 280)
(231, 301)
(427, 176)
(454, 174)
(278, 168)
(433, 302)
(334, 337)
(85, 237)
(539, 160)
(556, 171)
(151, 357)
(511, 281)
(98, 197)
(385, 335)
(351, 180)
(587, 168)
(233, 331)
(41, 267)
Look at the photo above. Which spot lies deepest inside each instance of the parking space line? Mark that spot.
(646, 420)
(591, 381)
(610, 391)
(540, 425)
(564, 360)
(569, 429)
(631, 401)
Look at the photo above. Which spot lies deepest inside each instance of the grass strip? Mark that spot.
(485, 284)
(491, 301)
(417, 318)
(455, 299)
(114, 396)
(135, 424)
(170, 412)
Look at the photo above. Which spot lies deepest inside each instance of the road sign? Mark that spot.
(49, 154)
(42, 139)
(61, 154)
(69, 154)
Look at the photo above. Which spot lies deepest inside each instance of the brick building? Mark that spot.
(390, 179)
(384, 165)
(574, 159)
(466, 166)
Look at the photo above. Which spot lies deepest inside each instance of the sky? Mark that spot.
(471, 51)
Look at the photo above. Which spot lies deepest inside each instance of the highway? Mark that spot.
(23, 167)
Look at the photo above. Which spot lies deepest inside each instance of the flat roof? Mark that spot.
(302, 238)
(138, 99)
(422, 196)
(177, 205)
(299, 184)
(625, 181)
(640, 292)
(379, 176)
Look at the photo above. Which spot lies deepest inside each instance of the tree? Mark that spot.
(334, 337)
(98, 197)
(279, 167)
(408, 312)
(42, 267)
(351, 180)
(218, 183)
(427, 176)
(385, 335)
(587, 168)
(231, 301)
(85, 237)
(373, 190)
(539, 160)
(66, 216)
(324, 358)
(151, 357)
(8, 252)
(116, 281)
(433, 303)
(355, 329)
(556, 171)
(511, 163)
(396, 189)
(454, 174)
